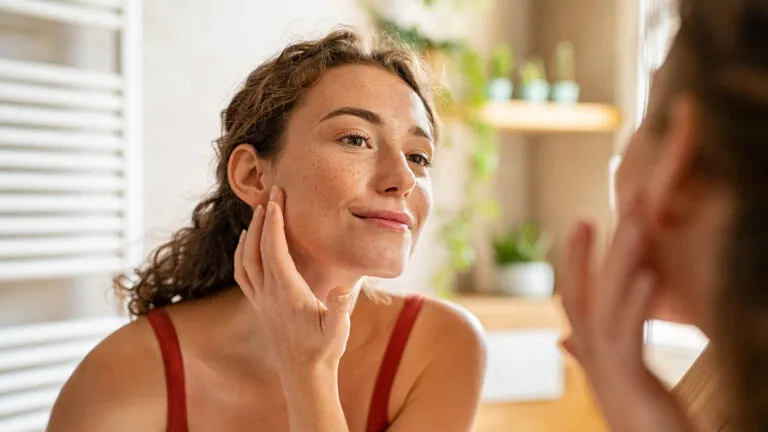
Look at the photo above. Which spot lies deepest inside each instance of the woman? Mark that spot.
(693, 198)
(328, 148)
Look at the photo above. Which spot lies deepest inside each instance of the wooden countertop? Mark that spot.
(575, 411)
(510, 313)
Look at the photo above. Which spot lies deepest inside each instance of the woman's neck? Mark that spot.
(240, 321)
(324, 280)
(323, 277)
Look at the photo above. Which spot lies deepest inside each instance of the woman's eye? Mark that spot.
(420, 159)
(355, 140)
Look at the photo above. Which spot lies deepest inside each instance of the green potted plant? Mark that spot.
(501, 65)
(565, 89)
(533, 81)
(522, 268)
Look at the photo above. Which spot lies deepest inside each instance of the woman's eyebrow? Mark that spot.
(362, 113)
(373, 118)
(420, 132)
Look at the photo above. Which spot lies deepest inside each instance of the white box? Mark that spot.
(524, 365)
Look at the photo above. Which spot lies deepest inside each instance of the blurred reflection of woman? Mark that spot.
(693, 197)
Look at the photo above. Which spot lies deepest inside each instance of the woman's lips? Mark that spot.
(391, 220)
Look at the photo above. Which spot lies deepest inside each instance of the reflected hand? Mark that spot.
(607, 315)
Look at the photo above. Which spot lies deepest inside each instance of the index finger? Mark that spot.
(575, 289)
(275, 254)
(624, 259)
(251, 251)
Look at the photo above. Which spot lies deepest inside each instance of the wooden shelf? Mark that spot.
(551, 117)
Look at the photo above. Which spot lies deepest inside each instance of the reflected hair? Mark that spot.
(720, 57)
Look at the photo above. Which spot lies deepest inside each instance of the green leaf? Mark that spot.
(485, 161)
(475, 76)
(533, 70)
(489, 208)
(564, 62)
(414, 37)
(463, 256)
(525, 244)
(502, 61)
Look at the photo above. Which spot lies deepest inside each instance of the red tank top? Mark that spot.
(378, 414)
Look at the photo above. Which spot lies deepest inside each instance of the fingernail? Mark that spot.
(242, 236)
(259, 211)
(273, 193)
(342, 298)
(270, 208)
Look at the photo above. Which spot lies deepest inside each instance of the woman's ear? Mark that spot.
(670, 187)
(247, 175)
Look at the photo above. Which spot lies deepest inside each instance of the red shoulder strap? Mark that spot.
(174, 369)
(378, 415)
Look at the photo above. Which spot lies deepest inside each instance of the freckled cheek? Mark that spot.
(322, 186)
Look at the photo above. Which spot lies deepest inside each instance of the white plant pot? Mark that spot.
(565, 92)
(533, 279)
(500, 89)
(534, 91)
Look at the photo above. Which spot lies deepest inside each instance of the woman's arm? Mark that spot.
(313, 400)
(118, 387)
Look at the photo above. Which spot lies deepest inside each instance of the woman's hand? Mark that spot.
(303, 330)
(607, 315)
(308, 335)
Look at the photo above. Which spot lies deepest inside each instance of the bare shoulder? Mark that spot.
(120, 385)
(438, 384)
(451, 327)
(441, 326)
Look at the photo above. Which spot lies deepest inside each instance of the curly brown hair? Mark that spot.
(198, 261)
(720, 56)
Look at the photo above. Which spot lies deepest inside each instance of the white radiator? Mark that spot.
(70, 151)
(36, 360)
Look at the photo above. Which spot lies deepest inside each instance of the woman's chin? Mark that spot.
(382, 268)
(386, 273)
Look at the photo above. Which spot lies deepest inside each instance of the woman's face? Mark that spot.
(687, 215)
(354, 166)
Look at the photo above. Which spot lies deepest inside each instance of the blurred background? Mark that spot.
(108, 109)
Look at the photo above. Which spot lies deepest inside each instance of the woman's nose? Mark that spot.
(395, 176)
